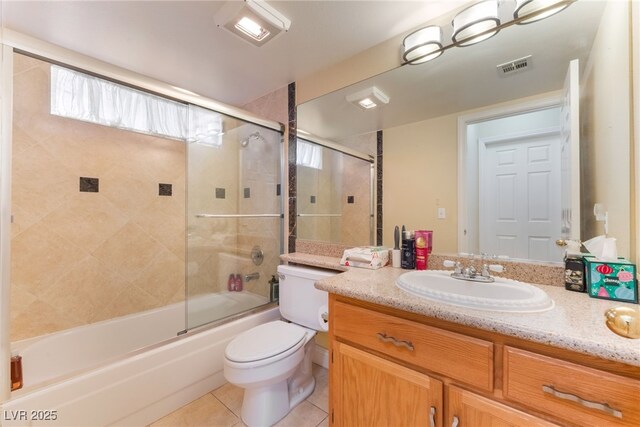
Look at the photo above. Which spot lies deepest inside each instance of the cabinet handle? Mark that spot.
(455, 421)
(604, 407)
(398, 343)
(432, 417)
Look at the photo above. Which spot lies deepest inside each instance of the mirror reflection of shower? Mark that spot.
(255, 136)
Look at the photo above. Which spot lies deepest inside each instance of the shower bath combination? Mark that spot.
(183, 312)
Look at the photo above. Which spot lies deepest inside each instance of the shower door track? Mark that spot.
(239, 215)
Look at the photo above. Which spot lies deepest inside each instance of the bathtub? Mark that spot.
(131, 370)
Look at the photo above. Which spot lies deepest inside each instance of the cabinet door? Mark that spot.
(370, 391)
(466, 409)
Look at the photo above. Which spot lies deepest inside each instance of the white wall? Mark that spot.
(605, 121)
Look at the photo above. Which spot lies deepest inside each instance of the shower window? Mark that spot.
(309, 155)
(84, 97)
(80, 96)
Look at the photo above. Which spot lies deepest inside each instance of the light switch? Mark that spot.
(442, 213)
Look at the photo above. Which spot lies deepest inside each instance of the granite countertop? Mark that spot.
(321, 261)
(575, 323)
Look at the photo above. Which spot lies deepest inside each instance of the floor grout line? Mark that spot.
(307, 400)
(322, 420)
(230, 410)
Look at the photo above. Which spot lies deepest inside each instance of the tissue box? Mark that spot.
(371, 257)
(612, 280)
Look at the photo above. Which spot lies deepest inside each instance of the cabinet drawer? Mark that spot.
(571, 392)
(462, 358)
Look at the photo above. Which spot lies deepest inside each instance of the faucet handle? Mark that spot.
(497, 268)
(449, 263)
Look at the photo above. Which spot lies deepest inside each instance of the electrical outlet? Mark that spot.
(442, 213)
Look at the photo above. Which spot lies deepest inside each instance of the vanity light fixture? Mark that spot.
(422, 45)
(527, 7)
(254, 21)
(476, 23)
(368, 98)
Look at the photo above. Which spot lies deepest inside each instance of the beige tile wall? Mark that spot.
(79, 257)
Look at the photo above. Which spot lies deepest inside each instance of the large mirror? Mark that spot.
(477, 143)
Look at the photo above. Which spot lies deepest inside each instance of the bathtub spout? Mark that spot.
(252, 276)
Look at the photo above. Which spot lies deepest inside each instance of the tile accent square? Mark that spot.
(350, 199)
(220, 193)
(89, 185)
(247, 192)
(165, 189)
(278, 190)
(312, 199)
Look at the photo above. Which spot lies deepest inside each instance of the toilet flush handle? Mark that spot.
(325, 317)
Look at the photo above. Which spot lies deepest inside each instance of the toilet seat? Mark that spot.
(264, 344)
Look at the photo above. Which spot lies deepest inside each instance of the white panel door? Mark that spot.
(570, 134)
(520, 197)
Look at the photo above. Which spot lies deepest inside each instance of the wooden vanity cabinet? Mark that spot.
(374, 392)
(466, 409)
(393, 368)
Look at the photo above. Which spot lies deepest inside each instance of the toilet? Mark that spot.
(272, 361)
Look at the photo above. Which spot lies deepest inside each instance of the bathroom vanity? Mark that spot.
(398, 360)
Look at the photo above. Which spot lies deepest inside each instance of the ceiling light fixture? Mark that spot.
(368, 98)
(422, 45)
(536, 7)
(252, 20)
(476, 23)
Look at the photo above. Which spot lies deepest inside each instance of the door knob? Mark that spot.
(561, 242)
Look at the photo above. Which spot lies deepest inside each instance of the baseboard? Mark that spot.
(321, 356)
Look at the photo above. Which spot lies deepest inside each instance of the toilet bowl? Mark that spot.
(273, 361)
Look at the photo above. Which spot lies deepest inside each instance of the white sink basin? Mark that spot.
(501, 295)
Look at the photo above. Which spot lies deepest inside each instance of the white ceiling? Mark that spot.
(177, 41)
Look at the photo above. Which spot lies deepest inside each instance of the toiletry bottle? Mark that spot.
(408, 251)
(421, 249)
(16, 372)
(396, 253)
(274, 291)
(231, 283)
(238, 283)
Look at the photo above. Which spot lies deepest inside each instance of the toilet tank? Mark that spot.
(300, 301)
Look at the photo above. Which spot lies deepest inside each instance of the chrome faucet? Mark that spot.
(470, 273)
(252, 276)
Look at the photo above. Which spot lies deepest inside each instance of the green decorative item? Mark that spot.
(612, 280)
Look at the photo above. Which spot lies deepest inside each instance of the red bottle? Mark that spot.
(238, 283)
(231, 283)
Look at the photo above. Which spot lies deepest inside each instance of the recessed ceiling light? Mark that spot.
(252, 20)
(368, 98)
(367, 103)
(251, 28)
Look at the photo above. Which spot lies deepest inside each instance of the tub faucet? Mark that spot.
(252, 276)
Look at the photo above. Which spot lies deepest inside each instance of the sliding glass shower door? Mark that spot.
(234, 215)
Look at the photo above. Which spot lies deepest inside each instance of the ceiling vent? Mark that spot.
(514, 66)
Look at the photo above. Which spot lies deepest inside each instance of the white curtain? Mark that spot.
(80, 96)
(309, 155)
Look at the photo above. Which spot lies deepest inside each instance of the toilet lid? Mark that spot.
(264, 341)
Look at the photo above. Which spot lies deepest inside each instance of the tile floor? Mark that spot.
(221, 408)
